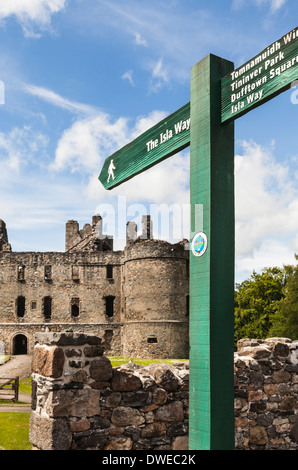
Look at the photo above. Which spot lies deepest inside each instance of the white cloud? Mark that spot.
(86, 144)
(57, 100)
(30, 13)
(236, 4)
(140, 41)
(165, 183)
(274, 5)
(128, 76)
(18, 148)
(143, 123)
(266, 210)
(171, 31)
(159, 75)
(35, 203)
(277, 4)
(89, 141)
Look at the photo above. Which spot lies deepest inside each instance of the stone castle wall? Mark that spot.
(62, 277)
(65, 279)
(81, 402)
(137, 297)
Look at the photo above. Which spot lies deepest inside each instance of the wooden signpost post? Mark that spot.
(219, 95)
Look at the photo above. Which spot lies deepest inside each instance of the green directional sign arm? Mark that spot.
(163, 140)
(261, 78)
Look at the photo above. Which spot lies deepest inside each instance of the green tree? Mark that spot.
(256, 303)
(285, 321)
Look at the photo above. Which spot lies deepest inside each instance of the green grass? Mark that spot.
(118, 361)
(11, 403)
(4, 358)
(25, 386)
(14, 431)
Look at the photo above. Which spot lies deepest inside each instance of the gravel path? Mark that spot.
(17, 366)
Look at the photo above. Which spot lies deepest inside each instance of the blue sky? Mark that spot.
(84, 77)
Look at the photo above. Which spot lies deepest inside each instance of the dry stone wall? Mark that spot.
(81, 402)
(266, 393)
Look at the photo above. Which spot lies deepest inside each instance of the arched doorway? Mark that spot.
(20, 345)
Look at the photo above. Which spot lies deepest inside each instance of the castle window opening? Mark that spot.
(109, 271)
(47, 308)
(108, 336)
(21, 273)
(21, 302)
(75, 307)
(48, 273)
(105, 247)
(109, 305)
(151, 340)
(33, 305)
(75, 273)
(187, 305)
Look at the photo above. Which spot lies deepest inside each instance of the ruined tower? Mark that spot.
(155, 285)
(4, 245)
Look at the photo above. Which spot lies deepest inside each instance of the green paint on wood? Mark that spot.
(212, 275)
(166, 138)
(261, 78)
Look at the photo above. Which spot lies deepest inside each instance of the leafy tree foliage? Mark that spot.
(285, 322)
(257, 302)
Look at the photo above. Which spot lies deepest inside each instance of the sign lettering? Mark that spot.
(166, 138)
(266, 75)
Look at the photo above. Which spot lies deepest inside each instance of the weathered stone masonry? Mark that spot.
(81, 402)
(266, 394)
(136, 300)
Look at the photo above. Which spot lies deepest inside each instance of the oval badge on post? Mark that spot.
(199, 244)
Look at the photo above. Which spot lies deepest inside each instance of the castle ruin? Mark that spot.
(136, 299)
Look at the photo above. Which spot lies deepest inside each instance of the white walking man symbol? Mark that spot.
(111, 170)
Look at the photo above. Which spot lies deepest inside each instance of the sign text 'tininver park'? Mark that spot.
(266, 75)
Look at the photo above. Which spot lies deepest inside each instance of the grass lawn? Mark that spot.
(25, 386)
(14, 431)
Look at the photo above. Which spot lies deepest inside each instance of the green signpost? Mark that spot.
(219, 95)
(211, 387)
